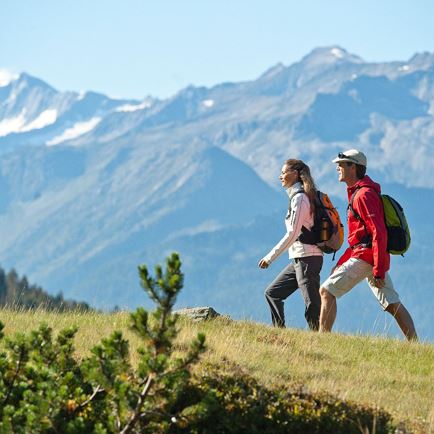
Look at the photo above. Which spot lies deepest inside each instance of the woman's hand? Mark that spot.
(263, 263)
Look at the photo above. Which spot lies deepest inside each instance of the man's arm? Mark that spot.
(370, 208)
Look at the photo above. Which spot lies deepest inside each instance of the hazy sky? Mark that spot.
(134, 48)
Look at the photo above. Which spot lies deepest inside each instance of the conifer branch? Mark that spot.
(136, 414)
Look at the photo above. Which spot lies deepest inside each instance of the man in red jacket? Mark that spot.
(367, 256)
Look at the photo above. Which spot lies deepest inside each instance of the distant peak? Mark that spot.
(422, 60)
(26, 77)
(191, 92)
(6, 77)
(423, 55)
(273, 71)
(331, 54)
(90, 94)
(32, 81)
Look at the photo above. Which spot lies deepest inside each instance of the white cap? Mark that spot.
(352, 156)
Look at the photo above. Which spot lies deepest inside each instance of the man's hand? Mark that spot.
(263, 263)
(378, 283)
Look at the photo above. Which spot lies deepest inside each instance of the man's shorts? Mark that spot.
(352, 272)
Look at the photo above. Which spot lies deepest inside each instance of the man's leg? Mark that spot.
(343, 278)
(307, 272)
(389, 300)
(404, 320)
(278, 290)
(328, 310)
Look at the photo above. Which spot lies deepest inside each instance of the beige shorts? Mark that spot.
(352, 272)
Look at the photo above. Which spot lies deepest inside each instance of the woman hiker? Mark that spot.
(304, 270)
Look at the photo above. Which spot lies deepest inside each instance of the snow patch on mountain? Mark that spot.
(337, 52)
(75, 131)
(134, 107)
(13, 124)
(19, 124)
(47, 117)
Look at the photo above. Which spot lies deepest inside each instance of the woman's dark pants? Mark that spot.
(303, 274)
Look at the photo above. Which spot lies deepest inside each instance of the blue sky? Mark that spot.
(134, 48)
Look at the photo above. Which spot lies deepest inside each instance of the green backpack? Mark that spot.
(398, 232)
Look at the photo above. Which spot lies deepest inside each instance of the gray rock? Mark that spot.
(198, 313)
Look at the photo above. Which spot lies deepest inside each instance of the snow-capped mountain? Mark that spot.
(92, 186)
(32, 112)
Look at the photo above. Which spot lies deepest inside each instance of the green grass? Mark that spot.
(389, 373)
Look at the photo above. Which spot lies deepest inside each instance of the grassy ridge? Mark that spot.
(393, 374)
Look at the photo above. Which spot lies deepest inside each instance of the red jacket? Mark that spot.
(368, 205)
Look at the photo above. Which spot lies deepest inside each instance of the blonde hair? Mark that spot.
(306, 179)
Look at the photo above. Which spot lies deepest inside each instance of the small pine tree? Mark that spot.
(143, 400)
(44, 388)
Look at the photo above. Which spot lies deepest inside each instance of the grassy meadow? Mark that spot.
(389, 373)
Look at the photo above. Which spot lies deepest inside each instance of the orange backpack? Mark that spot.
(327, 232)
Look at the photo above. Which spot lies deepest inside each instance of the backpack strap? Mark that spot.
(306, 236)
(367, 239)
(300, 190)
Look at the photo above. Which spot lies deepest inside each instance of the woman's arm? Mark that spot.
(300, 209)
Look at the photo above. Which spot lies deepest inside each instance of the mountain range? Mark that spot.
(92, 186)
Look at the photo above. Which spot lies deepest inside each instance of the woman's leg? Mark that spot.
(278, 290)
(307, 272)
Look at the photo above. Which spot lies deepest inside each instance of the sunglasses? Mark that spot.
(342, 155)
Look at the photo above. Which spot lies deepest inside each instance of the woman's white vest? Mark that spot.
(298, 216)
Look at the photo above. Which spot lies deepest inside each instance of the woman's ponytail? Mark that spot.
(306, 179)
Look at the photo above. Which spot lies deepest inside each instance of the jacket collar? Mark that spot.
(295, 188)
(366, 181)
